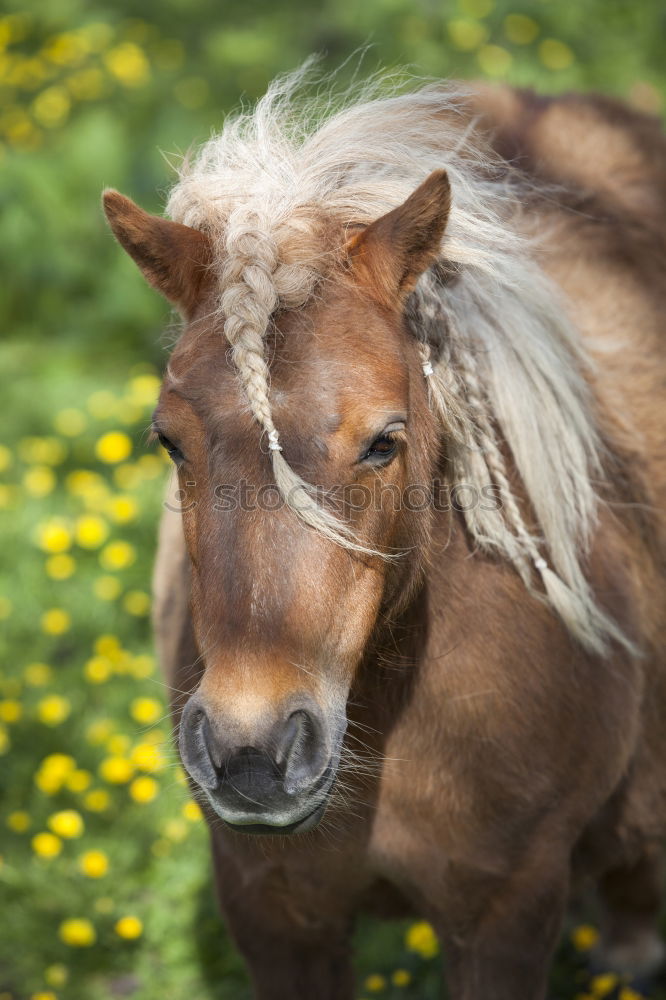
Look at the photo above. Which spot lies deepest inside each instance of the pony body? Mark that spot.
(455, 710)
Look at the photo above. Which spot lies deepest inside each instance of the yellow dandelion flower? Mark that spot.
(54, 535)
(60, 764)
(151, 466)
(142, 666)
(113, 447)
(102, 404)
(83, 483)
(18, 821)
(56, 621)
(107, 588)
(97, 670)
(626, 993)
(519, 29)
(37, 674)
(67, 823)
(49, 782)
(122, 509)
(39, 481)
(128, 63)
(137, 603)
(144, 789)
(375, 983)
(94, 864)
(99, 731)
(86, 84)
(98, 800)
(91, 531)
(467, 35)
(78, 781)
(421, 938)
(494, 60)
(56, 974)
(118, 744)
(43, 995)
(42, 451)
(476, 8)
(53, 709)
(601, 986)
(107, 645)
(116, 770)
(176, 830)
(6, 608)
(117, 555)
(6, 458)
(192, 812)
(46, 845)
(401, 977)
(131, 413)
(10, 710)
(584, 937)
(77, 932)
(127, 476)
(147, 757)
(129, 927)
(66, 49)
(51, 107)
(555, 54)
(144, 389)
(146, 710)
(5, 742)
(60, 567)
(70, 422)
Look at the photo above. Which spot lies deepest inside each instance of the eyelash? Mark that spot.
(374, 454)
(174, 453)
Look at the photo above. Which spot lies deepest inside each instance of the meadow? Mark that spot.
(105, 885)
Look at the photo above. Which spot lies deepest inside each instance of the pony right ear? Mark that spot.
(391, 254)
(173, 258)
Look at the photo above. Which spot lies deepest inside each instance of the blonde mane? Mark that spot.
(507, 363)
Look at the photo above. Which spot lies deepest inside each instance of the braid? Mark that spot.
(248, 300)
(254, 282)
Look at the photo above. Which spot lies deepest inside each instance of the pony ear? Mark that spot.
(393, 252)
(173, 258)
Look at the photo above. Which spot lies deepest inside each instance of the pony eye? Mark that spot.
(381, 449)
(174, 453)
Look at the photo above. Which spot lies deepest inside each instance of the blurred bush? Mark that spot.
(93, 96)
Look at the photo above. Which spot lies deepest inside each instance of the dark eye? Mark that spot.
(174, 453)
(381, 449)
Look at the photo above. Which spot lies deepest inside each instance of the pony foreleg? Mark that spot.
(631, 896)
(504, 950)
(293, 948)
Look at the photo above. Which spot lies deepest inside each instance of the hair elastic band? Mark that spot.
(273, 443)
(427, 369)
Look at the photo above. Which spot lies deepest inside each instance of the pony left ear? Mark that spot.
(393, 252)
(173, 258)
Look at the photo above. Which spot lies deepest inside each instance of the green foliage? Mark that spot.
(91, 96)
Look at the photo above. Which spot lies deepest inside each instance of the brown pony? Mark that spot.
(411, 598)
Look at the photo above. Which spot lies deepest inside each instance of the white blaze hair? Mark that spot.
(506, 362)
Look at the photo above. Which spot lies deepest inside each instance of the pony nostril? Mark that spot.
(195, 746)
(299, 752)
